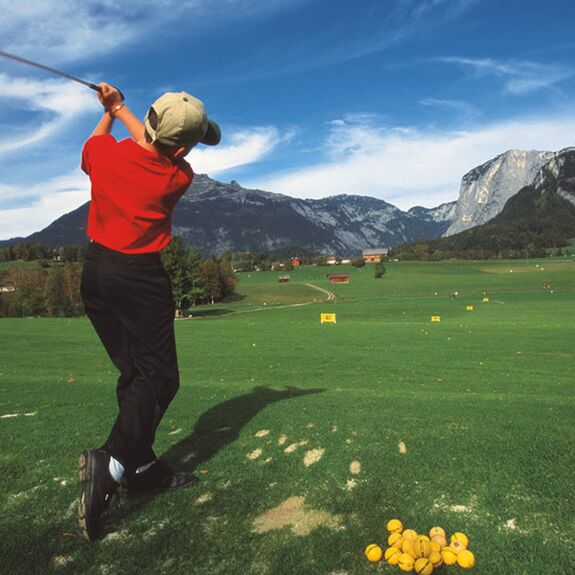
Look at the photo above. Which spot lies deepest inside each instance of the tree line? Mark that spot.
(45, 281)
(34, 251)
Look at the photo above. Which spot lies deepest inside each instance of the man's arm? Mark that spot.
(104, 125)
(112, 101)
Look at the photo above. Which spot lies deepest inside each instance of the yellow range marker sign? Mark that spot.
(327, 318)
(435, 318)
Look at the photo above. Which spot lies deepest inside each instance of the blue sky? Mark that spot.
(395, 99)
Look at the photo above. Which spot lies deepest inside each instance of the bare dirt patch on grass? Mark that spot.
(355, 468)
(62, 561)
(254, 454)
(313, 456)
(293, 513)
(291, 448)
(204, 498)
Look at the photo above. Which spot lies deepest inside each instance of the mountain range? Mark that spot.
(215, 217)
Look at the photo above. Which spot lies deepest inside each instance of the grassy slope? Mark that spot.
(483, 403)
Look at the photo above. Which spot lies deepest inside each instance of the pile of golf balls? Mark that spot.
(421, 553)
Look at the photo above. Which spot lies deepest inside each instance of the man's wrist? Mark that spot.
(113, 110)
(116, 108)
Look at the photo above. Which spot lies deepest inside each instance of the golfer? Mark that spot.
(136, 183)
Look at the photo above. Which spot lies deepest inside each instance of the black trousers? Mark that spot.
(128, 299)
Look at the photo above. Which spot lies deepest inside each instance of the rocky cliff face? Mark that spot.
(559, 173)
(442, 215)
(485, 189)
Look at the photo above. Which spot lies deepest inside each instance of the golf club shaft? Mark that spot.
(48, 69)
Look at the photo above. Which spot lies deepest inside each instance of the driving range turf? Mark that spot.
(308, 438)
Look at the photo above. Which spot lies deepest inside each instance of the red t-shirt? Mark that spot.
(134, 191)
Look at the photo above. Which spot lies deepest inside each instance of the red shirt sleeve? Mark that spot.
(94, 149)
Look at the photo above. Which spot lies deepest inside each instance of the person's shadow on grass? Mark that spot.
(217, 428)
(221, 425)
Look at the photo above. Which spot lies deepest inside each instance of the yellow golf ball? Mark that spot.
(392, 555)
(394, 526)
(409, 534)
(466, 559)
(436, 531)
(421, 547)
(407, 547)
(457, 547)
(373, 553)
(423, 566)
(460, 538)
(435, 558)
(435, 547)
(448, 555)
(395, 540)
(406, 562)
(440, 539)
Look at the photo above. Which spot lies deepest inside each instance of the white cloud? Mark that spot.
(245, 147)
(408, 166)
(57, 102)
(520, 76)
(52, 199)
(464, 109)
(56, 31)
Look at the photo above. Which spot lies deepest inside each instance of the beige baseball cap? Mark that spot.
(179, 119)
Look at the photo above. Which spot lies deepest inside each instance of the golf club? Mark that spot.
(53, 71)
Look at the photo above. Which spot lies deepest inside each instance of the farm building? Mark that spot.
(296, 262)
(374, 256)
(283, 279)
(338, 278)
(331, 260)
(277, 266)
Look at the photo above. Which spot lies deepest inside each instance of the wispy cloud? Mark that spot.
(465, 110)
(400, 20)
(80, 30)
(245, 147)
(48, 201)
(519, 76)
(356, 33)
(408, 166)
(56, 102)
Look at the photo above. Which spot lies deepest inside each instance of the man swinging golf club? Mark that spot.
(136, 184)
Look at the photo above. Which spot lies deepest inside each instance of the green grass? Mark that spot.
(483, 403)
(6, 265)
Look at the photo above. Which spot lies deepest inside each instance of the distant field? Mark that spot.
(309, 437)
(5, 265)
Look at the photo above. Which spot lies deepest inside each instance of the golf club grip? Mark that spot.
(97, 88)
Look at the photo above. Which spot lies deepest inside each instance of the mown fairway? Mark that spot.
(467, 424)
